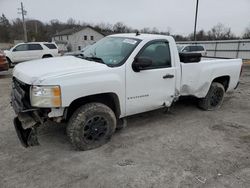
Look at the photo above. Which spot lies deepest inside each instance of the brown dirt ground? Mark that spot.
(184, 148)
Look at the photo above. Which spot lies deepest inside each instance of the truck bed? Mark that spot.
(197, 77)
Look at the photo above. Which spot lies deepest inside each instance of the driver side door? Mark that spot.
(154, 86)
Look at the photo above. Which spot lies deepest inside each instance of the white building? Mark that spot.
(76, 39)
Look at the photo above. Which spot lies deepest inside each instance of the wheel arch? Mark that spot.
(224, 80)
(47, 55)
(7, 57)
(109, 99)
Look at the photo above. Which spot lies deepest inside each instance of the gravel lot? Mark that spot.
(186, 147)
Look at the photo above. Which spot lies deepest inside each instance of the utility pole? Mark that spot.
(24, 13)
(196, 15)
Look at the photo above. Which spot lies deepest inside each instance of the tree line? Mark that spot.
(40, 31)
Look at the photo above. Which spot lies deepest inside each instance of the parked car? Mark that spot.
(30, 51)
(192, 49)
(4, 66)
(119, 76)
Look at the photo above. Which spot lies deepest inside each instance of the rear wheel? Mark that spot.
(214, 97)
(91, 126)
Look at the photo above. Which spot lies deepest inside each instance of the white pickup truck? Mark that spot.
(119, 76)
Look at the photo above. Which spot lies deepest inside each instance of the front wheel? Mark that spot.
(91, 126)
(214, 97)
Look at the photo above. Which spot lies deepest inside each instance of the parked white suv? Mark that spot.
(192, 49)
(30, 51)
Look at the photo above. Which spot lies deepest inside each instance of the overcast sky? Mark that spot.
(162, 14)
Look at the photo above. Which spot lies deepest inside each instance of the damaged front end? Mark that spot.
(28, 118)
(27, 136)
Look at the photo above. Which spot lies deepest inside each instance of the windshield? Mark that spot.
(111, 51)
(179, 48)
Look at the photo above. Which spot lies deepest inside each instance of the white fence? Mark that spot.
(226, 48)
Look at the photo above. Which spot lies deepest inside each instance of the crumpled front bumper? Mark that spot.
(28, 136)
(27, 119)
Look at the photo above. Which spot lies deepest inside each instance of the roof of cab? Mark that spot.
(141, 36)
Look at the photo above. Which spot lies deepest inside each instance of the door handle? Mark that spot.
(168, 76)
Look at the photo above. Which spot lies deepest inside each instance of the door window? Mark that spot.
(50, 46)
(186, 49)
(35, 47)
(21, 47)
(200, 48)
(159, 53)
(193, 48)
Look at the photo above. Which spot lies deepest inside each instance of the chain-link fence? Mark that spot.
(225, 49)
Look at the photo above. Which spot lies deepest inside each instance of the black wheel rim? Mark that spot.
(216, 97)
(95, 129)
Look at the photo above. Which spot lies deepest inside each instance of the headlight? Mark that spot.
(45, 96)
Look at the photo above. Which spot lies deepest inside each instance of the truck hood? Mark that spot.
(36, 71)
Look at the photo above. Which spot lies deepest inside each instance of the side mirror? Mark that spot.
(14, 50)
(141, 63)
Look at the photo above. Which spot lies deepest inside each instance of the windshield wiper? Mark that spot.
(96, 59)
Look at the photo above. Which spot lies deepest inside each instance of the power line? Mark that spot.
(24, 13)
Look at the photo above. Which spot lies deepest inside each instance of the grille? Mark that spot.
(20, 98)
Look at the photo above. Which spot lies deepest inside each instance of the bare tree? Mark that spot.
(169, 31)
(12, 30)
(71, 22)
(104, 27)
(35, 30)
(220, 32)
(155, 30)
(145, 30)
(246, 34)
(4, 29)
(120, 27)
(16, 32)
(200, 35)
(180, 38)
